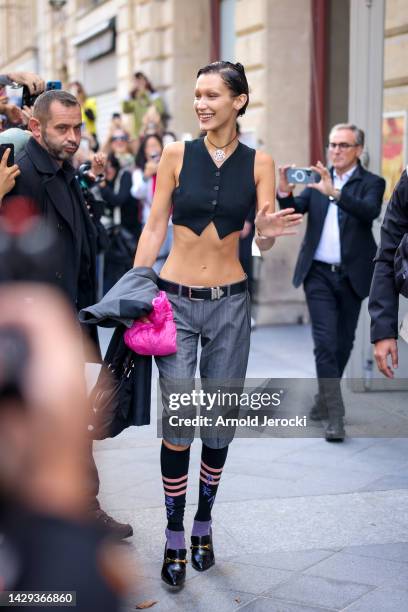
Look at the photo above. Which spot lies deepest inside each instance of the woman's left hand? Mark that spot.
(281, 223)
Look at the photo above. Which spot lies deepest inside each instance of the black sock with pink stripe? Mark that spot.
(174, 468)
(212, 463)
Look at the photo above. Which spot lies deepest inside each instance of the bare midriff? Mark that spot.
(203, 261)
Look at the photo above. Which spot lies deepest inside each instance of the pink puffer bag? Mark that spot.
(158, 336)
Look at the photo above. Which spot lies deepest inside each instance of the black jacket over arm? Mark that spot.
(383, 303)
(360, 201)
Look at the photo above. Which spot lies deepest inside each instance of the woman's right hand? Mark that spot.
(281, 223)
(8, 174)
(283, 184)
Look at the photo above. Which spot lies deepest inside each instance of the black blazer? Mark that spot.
(38, 183)
(360, 201)
(383, 303)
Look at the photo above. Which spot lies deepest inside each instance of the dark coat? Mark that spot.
(384, 298)
(130, 298)
(39, 182)
(360, 201)
(122, 393)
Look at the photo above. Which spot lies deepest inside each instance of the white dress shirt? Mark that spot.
(328, 249)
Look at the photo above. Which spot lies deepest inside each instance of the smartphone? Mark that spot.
(3, 147)
(53, 85)
(303, 176)
(28, 98)
(14, 94)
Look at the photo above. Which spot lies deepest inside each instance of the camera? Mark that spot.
(85, 181)
(83, 176)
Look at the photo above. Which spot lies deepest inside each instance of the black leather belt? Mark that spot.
(202, 293)
(329, 266)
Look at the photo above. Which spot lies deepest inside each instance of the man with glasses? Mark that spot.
(335, 263)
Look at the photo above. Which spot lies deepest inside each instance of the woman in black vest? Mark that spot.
(210, 185)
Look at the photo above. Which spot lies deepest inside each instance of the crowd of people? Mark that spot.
(177, 218)
(133, 146)
(131, 162)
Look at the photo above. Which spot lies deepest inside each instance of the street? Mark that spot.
(298, 524)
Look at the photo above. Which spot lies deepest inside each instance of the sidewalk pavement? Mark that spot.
(299, 524)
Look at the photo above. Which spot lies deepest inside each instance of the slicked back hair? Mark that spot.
(233, 76)
(41, 109)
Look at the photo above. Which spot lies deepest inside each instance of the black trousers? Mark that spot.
(334, 309)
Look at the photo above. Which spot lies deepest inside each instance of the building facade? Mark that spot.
(296, 54)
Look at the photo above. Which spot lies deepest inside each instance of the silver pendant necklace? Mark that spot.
(219, 154)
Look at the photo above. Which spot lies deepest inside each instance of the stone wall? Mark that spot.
(395, 56)
(172, 41)
(18, 23)
(274, 44)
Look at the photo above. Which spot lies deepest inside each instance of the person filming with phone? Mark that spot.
(34, 83)
(27, 82)
(144, 187)
(335, 262)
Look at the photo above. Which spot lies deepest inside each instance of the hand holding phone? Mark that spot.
(325, 185)
(7, 156)
(9, 171)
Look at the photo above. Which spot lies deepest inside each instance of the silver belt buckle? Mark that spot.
(216, 293)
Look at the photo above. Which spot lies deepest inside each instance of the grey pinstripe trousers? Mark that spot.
(223, 328)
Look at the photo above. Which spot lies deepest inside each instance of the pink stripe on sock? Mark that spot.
(212, 477)
(175, 479)
(207, 467)
(212, 483)
(175, 494)
(173, 487)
